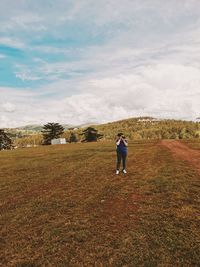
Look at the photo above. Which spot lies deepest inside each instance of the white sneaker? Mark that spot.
(124, 171)
(117, 171)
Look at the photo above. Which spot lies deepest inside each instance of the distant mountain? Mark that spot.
(34, 128)
(37, 128)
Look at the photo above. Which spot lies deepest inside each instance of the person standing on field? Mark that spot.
(121, 150)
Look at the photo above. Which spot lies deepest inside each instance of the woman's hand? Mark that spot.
(125, 141)
(118, 140)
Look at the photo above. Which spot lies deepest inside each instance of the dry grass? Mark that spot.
(192, 143)
(64, 206)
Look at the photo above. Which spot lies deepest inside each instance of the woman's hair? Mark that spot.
(121, 134)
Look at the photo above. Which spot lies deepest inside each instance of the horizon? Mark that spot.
(76, 62)
(94, 124)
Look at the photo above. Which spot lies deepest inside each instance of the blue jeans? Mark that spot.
(121, 156)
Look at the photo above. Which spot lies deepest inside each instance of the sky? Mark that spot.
(86, 61)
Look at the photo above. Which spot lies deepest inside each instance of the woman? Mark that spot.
(122, 144)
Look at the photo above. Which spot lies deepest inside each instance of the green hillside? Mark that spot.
(151, 128)
(142, 128)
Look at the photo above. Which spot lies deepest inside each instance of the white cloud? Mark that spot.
(162, 90)
(24, 76)
(27, 21)
(11, 42)
(26, 73)
(147, 61)
(8, 107)
(141, 94)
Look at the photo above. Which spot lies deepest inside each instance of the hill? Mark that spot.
(64, 206)
(151, 128)
(141, 128)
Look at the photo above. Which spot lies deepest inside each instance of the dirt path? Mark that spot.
(184, 152)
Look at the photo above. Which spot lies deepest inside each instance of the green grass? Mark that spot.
(64, 206)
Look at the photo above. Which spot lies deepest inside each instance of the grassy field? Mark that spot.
(64, 206)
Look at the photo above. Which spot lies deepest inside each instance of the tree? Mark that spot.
(51, 131)
(5, 141)
(91, 134)
(73, 138)
(30, 140)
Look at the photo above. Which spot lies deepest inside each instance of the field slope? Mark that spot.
(64, 206)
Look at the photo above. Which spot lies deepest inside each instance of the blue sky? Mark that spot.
(84, 61)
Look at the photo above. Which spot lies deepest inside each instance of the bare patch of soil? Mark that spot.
(182, 151)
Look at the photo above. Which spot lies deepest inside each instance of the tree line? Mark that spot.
(49, 132)
(134, 129)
